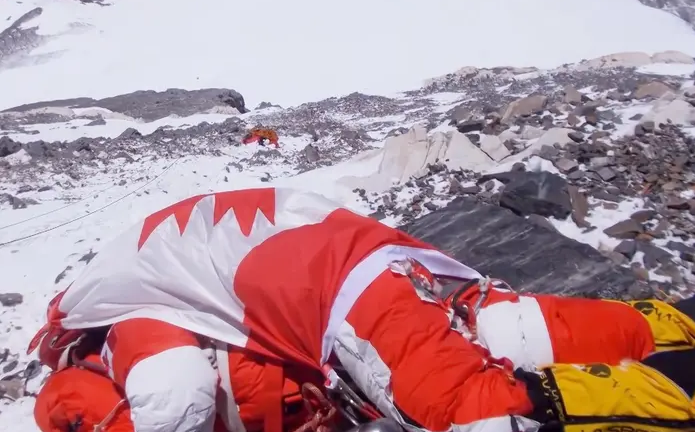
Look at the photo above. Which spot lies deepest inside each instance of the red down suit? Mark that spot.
(295, 279)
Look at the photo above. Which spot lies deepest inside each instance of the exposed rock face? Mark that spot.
(436, 150)
(526, 193)
(17, 38)
(529, 257)
(147, 105)
(409, 155)
(684, 9)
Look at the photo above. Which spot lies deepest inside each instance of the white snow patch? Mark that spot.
(675, 69)
(74, 129)
(19, 158)
(600, 218)
(111, 58)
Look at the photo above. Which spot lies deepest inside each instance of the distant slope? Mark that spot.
(291, 52)
(684, 9)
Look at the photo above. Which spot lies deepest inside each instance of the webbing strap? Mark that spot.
(226, 405)
(273, 394)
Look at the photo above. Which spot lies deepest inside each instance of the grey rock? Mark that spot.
(530, 257)
(653, 255)
(8, 146)
(32, 370)
(9, 367)
(627, 248)
(88, 257)
(311, 153)
(97, 122)
(616, 257)
(654, 89)
(678, 204)
(15, 202)
(471, 126)
(571, 95)
(264, 105)
(566, 165)
(642, 216)
(470, 190)
(573, 120)
(626, 229)
(576, 136)
(648, 126)
(130, 133)
(526, 193)
(684, 9)
(580, 207)
(525, 106)
(11, 299)
(606, 174)
(600, 162)
(680, 247)
(20, 38)
(576, 175)
(639, 130)
(603, 195)
(62, 274)
(461, 113)
(150, 105)
(12, 389)
(541, 221)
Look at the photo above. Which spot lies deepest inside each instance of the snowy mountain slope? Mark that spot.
(95, 187)
(73, 175)
(684, 9)
(288, 53)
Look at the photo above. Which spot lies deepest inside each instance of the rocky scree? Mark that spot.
(597, 169)
(684, 9)
(14, 376)
(16, 39)
(338, 127)
(573, 129)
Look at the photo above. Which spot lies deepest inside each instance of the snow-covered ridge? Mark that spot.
(683, 9)
(85, 49)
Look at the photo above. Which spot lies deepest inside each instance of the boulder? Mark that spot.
(623, 59)
(8, 146)
(673, 57)
(525, 106)
(559, 136)
(528, 192)
(571, 95)
(677, 111)
(530, 257)
(654, 89)
(150, 105)
(494, 147)
(409, 154)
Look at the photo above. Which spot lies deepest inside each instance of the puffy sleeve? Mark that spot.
(168, 379)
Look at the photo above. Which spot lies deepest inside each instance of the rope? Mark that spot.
(60, 208)
(93, 212)
(320, 418)
(111, 415)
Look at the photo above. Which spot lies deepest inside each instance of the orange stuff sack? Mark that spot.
(76, 396)
(257, 134)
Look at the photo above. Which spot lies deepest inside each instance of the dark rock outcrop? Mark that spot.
(150, 105)
(683, 9)
(496, 242)
(17, 38)
(527, 193)
(8, 146)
